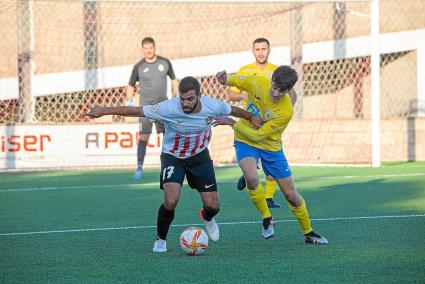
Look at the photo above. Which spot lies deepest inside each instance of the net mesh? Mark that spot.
(59, 58)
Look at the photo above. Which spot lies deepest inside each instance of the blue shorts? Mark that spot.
(274, 163)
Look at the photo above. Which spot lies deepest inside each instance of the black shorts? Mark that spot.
(199, 171)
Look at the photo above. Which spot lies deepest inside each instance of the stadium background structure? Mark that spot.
(70, 55)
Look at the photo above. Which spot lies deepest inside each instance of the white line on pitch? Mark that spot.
(81, 187)
(371, 176)
(226, 181)
(188, 225)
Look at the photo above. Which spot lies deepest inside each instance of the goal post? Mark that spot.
(375, 56)
(360, 64)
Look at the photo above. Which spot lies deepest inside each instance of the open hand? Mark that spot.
(95, 112)
(223, 120)
(221, 77)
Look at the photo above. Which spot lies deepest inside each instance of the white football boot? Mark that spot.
(268, 228)
(160, 246)
(315, 239)
(211, 227)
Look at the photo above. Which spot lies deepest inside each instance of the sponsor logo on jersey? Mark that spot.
(253, 109)
(146, 70)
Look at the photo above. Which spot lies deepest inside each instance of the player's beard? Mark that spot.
(262, 61)
(193, 108)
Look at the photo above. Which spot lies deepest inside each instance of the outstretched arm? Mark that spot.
(233, 96)
(241, 113)
(98, 111)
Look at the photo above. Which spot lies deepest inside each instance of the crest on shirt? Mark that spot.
(154, 108)
(267, 115)
(209, 120)
(161, 67)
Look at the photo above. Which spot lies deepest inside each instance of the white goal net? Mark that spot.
(59, 58)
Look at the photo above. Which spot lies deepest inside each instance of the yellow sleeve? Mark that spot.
(232, 87)
(242, 82)
(272, 127)
(230, 80)
(241, 71)
(236, 90)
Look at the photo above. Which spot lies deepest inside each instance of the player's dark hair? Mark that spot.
(148, 40)
(260, 40)
(284, 77)
(189, 83)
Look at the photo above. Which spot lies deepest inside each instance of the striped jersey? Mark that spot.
(185, 134)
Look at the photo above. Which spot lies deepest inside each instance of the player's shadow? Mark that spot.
(67, 178)
(369, 198)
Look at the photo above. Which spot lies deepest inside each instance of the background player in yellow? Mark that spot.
(271, 100)
(261, 67)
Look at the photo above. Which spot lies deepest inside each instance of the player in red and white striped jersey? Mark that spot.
(187, 121)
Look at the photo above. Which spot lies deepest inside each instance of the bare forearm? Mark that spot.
(234, 96)
(175, 87)
(129, 92)
(98, 111)
(241, 113)
(123, 111)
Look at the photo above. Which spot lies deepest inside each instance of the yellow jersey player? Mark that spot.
(271, 100)
(261, 67)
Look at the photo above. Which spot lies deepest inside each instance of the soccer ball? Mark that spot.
(194, 241)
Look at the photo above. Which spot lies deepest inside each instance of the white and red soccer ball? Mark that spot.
(194, 241)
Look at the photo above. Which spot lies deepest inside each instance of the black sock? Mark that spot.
(141, 152)
(209, 214)
(165, 217)
(266, 222)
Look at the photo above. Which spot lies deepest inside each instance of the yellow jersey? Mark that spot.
(276, 115)
(252, 69)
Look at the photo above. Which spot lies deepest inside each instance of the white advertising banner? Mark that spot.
(73, 146)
